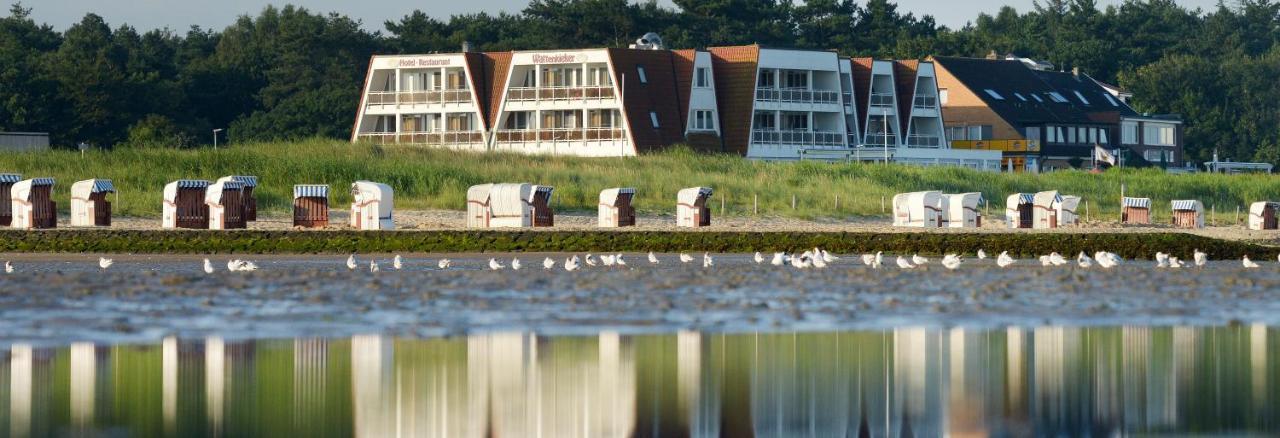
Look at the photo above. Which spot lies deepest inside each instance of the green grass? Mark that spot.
(432, 178)
(1128, 245)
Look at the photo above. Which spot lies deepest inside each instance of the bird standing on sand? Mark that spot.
(802, 261)
(879, 261)
(8, 267)
(494, 265)
(1249, 264)
(351, 262)
(591, 260)
(444, 263)
(758, 258)
(208, 267)
(547, 263)
(104, 263)
(685, 258)
(653, 259)
(951, 261)
(1003, 260)
(617, 259)
(1175, 263)
(515, 264)
(373, 265)
(982, 255)
(706, 260)
(606, 260)
(1162, 260)
(1200, 258)
(867, 259)
(915, 258)
(818, 261)
(903, 263)
(1083, 260)
(779, 259)
(571, 264)
(1106, 260)
(397, 262)
(1057, 259)
(826, 256)
(1044, 261)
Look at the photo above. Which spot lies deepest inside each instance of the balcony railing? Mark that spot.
(998, 145)
(535, 94)
(559, 134)
(418, 97)
(798, 138)
(424, 138)
(881, 140)
(923, 140)
(797, 96)
(925, 102)
(882, 99)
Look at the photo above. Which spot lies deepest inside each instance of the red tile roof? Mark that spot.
(658, 95)
(682, 61)
(476, 76)
(497, 66)
(904, 76)
(861, 69)
(735, 69)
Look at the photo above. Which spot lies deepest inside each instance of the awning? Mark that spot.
(192, 183)
(1026, 198)
(310, 191)
(1136, 202)
(10, 178)
(41, 181)
(103, 186)
(232, 185)
(627, 191)
(1185, 205)
(248, 181)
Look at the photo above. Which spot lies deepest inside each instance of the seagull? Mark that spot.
(208, 267)
(571, 264)
(591, 261)
(8, 268)
(494, 265)
(1044, 261)
(1057, 259)
(951, 261)
(444, 263)
(685, 258)
(1175, 263)
(238, 265)
(606, 260)
(617, 259)
(547, 263)
(653, 259)
(779, 259)
(1201, 258)
(1248, 263)
(104, 263)
(1003, 260)
(233, 265)
(758, 258)
(1106, 259)
(397, 262)
(1162, 260)
(373, 265)
(982, 255)
(878, 262)
(1083, 260)
(868, 259)
(826, 256)
(248, 266)
(915, 258)
(706, 260)
(903, 263)
(515, 264)
(351, 262)
(801, 262)
(818, 260)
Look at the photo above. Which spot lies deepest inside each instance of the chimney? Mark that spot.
(466, 47)
(993, 55)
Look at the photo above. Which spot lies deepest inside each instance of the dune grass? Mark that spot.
(434, 178)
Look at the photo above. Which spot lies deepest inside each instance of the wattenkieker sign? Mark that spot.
(555, 59)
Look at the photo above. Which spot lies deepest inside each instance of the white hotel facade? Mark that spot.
(763, 103)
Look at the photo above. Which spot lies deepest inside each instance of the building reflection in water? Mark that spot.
(1067, 381)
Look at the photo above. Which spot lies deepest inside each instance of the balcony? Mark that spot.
(882, 100)
(424, 138)
(925, 102)
(559, 134)
(998, 145)
(798, 96)
(538, 94)
(931, 141)
(874, 139)
(418, 97)
(797, 138)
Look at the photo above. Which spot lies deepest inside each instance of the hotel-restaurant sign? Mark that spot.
(405, 62)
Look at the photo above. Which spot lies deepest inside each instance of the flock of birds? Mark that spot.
(815, 258)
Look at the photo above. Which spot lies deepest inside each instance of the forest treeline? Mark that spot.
(289, 72)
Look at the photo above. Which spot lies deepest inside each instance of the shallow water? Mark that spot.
(1042, 381)
(306, 347)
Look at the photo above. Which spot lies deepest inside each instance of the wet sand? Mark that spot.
(61, 298)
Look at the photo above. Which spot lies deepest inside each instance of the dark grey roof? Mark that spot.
(1027, 95)
(1068, 84)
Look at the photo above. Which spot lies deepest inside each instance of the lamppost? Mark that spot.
(215, 138)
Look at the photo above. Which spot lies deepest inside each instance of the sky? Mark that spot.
(216, 14)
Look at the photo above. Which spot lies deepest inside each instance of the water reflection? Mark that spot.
(905, 382)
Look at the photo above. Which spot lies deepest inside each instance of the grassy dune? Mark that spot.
(429, 178)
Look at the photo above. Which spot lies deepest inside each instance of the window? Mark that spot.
(1071, 135)
(994, 94)
(1110, 100)
(518, 120)
(956, 133)
(1019, 96)
(795, 79)
(942, 95)
(653, 117)
(1153, 155)
(704, 120)
(1092, 135)
(795, 122)
(457, 122)
(1033, 133)
(1081, 97)
(601, 118)
(1129, 132)
(530, 79)
(1158, 134)
(1102, 136)
(765, 80)
(1037, 98)
(1057, 97)
(643, 79)
(763, 121)
(701, 79)
(599, 76)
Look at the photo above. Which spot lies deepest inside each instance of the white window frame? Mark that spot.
(943, 96)
(644, 79)
(702, 78)
(704, 120)
(653, 117)
(993, 94)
